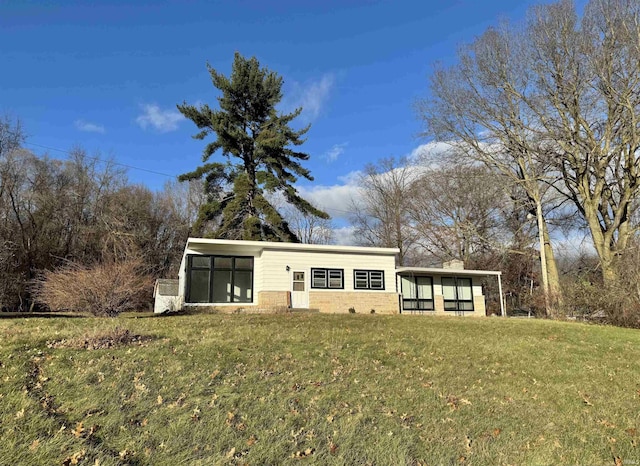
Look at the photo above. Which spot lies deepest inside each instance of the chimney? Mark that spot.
(453, 264)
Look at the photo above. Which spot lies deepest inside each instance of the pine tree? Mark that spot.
(259, 147)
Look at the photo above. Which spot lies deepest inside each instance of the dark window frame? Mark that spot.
(211, 268)
(327, 272)
(418, 299)
(369, 286)
(457, 300)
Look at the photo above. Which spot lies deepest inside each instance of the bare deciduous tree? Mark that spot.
(381, 214)
(456, 212)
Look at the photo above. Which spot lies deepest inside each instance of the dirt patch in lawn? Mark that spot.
(106, 339)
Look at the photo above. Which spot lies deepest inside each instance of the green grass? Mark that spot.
(320, 389)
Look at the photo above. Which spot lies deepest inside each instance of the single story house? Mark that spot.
(231, 275)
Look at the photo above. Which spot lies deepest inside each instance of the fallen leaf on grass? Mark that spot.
(333, 448)
(34, 445)
(79, 430)
(231, 452)
(126, 454)
(606, 423)
(251, 440)
(74, 459)
(496, 432)
(159, 400)
(20, 414)
(304, 454)
(618, 461)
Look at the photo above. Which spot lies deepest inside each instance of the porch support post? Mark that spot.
(502, 310)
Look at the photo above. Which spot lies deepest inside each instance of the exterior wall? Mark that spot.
(479, 306)
(272, 281)
(339, 301)
(272, 300)
(275, 276)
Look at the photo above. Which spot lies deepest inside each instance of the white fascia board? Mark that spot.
(194, 243)
(450, 272)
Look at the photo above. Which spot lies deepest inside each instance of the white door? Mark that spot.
(299, 293)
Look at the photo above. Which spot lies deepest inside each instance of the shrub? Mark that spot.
(352, 310)
(616, 302)
(104, 289)
(373, 311)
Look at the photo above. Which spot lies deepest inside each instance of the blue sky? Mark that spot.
(107, 75)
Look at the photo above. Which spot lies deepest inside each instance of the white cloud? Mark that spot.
(311, 96)
(429, 151)
(161, 120)
(88, 127)
(345, 236)
(336, 151)
(337, 200)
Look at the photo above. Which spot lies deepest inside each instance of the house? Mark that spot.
(231, 275)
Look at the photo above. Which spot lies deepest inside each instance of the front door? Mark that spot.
(299, 293)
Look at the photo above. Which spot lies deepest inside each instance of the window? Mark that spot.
(368, 279)
(298, 281)
(457, 292)
(417, 293)
(219, 279)
(327, 278)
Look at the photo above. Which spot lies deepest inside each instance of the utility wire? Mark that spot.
(132, 167)
(103, 160)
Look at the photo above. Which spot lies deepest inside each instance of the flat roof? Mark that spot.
(441, 271)
(259, 245)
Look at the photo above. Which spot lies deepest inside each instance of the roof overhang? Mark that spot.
(449, 272)
(206, 244)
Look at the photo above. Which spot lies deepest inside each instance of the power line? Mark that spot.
(132, 167)
(103, 160)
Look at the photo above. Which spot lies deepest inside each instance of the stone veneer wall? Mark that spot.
(272, 300)
(361, 301)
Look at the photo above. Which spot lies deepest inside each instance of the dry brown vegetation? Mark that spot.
(104, 289)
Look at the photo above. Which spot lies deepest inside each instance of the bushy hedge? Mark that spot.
(104, 289)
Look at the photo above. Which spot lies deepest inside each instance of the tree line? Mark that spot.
(538, 134)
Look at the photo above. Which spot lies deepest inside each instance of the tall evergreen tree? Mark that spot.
(259, 147)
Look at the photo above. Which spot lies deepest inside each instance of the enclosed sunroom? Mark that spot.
(450, 290)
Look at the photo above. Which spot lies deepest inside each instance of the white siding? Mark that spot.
(275, 277)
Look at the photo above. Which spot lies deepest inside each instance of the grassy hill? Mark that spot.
(317, 389)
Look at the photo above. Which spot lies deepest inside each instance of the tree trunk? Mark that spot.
(553, 277)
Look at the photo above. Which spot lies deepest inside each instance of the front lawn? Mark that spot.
(318, 389)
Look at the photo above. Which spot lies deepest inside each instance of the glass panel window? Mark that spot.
(327, 278)
(318, 278)
(464, 289)
(219, 279)
(242, 286)
(425, 288)
(449, 288)
(223, 263)
(376, 280)
(361, 279)
(245, 263)
(408, 287)
(417, 293)
(200, 261)
(298, 281)
(199, 286)
(221, 286)
(368, 279)
(457, 293)
(335, 278)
